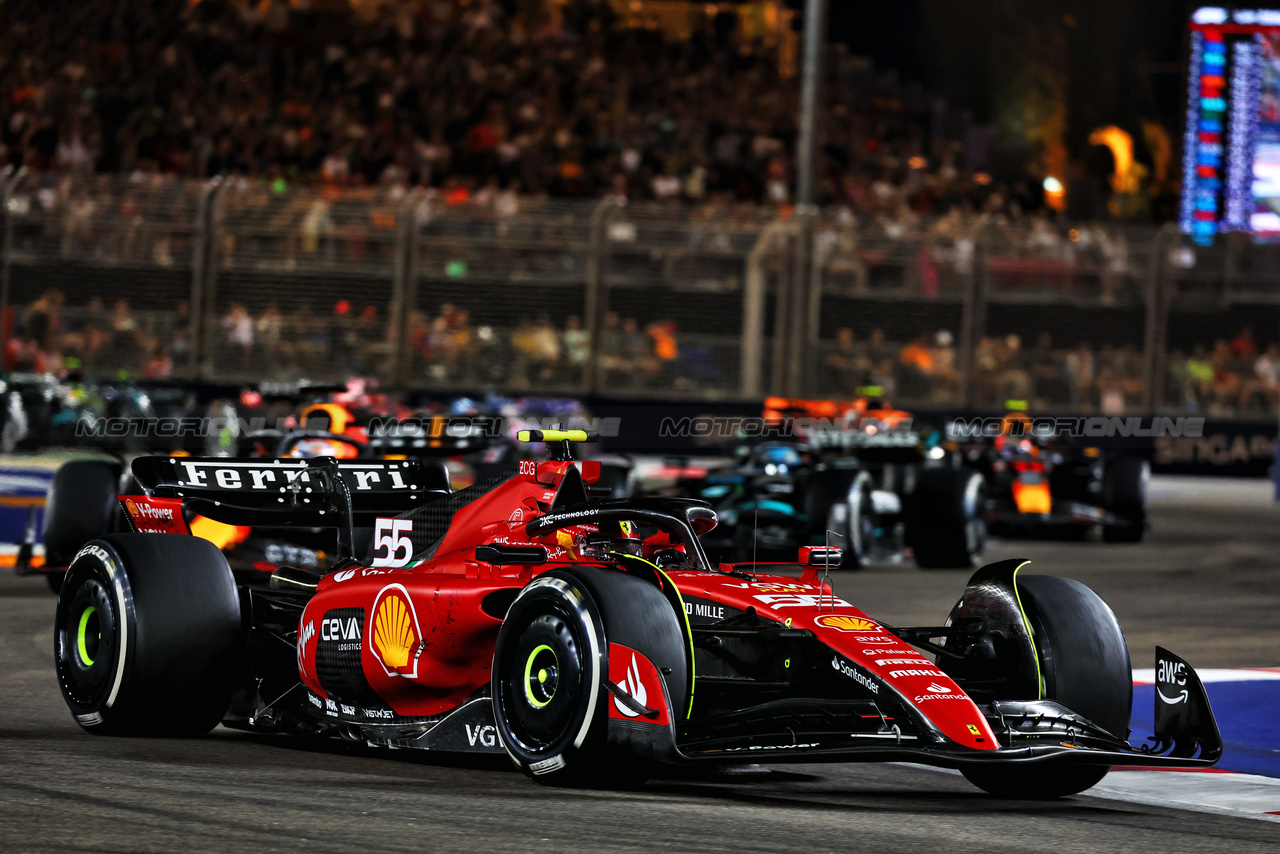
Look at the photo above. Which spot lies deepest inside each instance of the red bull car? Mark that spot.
(1036, 483)
(589, 639)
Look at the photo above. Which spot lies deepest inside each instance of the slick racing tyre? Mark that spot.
(550, 667)
(81, 505)
(1084, 665)
(839, 500)
(147, 636)
(946, 518)
(1124, 492)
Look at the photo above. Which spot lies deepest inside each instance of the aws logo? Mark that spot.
(845, 623)
(396, 636)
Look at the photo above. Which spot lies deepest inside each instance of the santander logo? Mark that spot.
(634, 687)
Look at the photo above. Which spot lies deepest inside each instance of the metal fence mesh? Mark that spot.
(251, 280)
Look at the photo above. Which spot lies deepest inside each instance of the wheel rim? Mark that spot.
(87, 642)
(541, 695)
(541, 671)
(866, 523)
(838, 521)
(88, 635)
(975, 508)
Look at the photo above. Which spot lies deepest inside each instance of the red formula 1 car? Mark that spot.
(586, 638)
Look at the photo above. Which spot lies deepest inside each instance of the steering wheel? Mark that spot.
(670, 559)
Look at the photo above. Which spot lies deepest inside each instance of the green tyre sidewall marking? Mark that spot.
(81, 647)
(1030, 633)
(528, 677)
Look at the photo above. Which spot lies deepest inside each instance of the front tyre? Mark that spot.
(549, 667)
(147, 636)
(946, 518)
(1124, 487)
(839, 501)
(551, 664)
(1084, 665)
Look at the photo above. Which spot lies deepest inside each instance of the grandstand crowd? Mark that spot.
(1234, 376)
(528, 97)
(327, 116)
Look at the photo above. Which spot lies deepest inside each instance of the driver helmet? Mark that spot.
(602, 547)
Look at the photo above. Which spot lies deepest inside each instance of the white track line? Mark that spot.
(1226, 793)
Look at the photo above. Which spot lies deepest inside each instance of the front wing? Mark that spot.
(1028, 732)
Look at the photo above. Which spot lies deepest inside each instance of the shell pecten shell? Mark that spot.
(393, 632)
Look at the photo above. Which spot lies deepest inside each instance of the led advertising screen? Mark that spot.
(1231, 151)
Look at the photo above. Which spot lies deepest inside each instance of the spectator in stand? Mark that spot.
(613, 359)
(636, 356)
(160, 366)
(915, 365)
(238, 326)
(663, 353)
(558, 98)
(577, 349)
(1080, 376)
(1200, 372)
(842, 364)
(43, 321)
(945, 378)
(1227, 384)
(268, 329)
(1266, 369)
(1243, 346)
(1047, 369)
(461, 344)
(538, 350)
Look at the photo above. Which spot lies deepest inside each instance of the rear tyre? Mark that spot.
(1124, 489)
(147, 636)
(549, 670)
(81, 505)
(946, 518)
(1084, 665)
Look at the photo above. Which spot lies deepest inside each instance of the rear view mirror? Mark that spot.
(829, 556)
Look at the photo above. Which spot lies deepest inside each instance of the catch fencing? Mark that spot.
(249, 280)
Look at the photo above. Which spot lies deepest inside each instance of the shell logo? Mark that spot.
(845, 623)
(396, 638)
(131, 507)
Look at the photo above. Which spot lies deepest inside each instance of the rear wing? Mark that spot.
(317, 492)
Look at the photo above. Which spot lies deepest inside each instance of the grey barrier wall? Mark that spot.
(251, 280)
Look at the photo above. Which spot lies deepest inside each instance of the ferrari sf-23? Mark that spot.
(588, 639)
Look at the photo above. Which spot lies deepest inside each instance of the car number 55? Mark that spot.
(387, 537)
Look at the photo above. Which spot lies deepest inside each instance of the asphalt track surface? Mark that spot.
(1204, 584)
